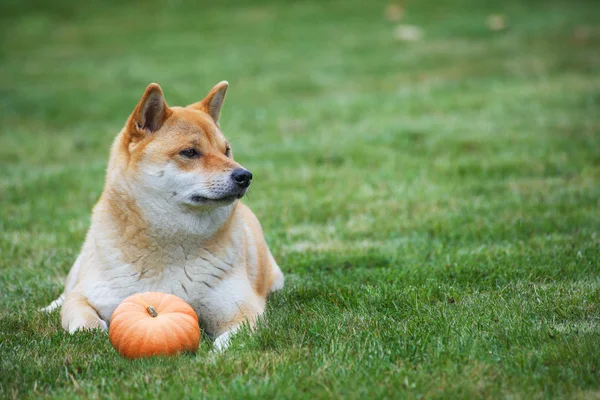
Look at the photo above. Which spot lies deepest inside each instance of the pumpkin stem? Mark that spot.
(152, 311)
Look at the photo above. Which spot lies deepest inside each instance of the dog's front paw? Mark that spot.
(222, 342)
(83, 325)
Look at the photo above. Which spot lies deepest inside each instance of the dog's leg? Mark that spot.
(246, 315)
(78, 314)
(222, 341)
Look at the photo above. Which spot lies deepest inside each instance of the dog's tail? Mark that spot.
(277, 275)
(69, 284)
(55, 304)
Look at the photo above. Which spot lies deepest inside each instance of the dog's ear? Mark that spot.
(213, 101)
(150, 113)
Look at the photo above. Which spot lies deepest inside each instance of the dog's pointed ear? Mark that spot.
(151, 112)
(213, 101)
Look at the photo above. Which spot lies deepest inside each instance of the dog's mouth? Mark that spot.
(200, 200)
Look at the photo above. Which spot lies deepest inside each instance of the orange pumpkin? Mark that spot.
(153, 323)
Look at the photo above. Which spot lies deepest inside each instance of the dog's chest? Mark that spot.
(192, 278)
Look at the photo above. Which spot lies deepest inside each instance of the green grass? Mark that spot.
(435, 205)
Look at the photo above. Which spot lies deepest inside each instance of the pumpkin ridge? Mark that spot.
(186, 321)
(147, 344)
(177, 329)
(155, 299)
(181, 308)
(118, 318)
(128, 340)
(167, 337)
(114, 333)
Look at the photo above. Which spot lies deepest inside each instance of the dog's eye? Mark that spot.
(189, 153)
(228, 151)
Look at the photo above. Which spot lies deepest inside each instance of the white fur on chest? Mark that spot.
(215, 289)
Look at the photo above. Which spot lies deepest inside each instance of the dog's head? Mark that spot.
(180, 154)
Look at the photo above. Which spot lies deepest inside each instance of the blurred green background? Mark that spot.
(427, 174)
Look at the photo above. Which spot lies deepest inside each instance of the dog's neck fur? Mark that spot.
(142, 219)
(161, 219)
(153, 235)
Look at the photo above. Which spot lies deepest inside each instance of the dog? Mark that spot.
(170, 220)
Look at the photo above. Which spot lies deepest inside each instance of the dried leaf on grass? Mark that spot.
(496, 22)
(408, 33)
(394, 12)
(582, 33)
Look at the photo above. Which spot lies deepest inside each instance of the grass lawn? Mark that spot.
(435, 205)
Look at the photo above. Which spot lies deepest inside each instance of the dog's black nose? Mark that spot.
(242, 177)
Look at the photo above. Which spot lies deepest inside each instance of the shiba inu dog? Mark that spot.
(170, 220)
